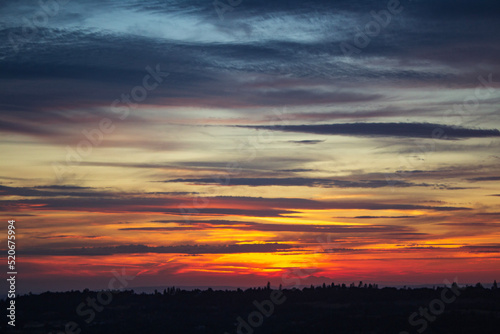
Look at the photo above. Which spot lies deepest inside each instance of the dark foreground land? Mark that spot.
(326, 309)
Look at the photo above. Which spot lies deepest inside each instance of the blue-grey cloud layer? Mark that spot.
(87, 54)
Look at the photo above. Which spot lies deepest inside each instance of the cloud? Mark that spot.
(495, 248)
(250, 226)
(62, 187)
(219, 205)
(262, 55)
(257, 165)
(485, 178)
(411, 130)
(53, 191)
(30, 129)
(189, 211)
(143, 249)
(64, 236)
(307, 142)
(475, 225)
(384, 217)
(345, 250)
(377, 112)
(299, 181)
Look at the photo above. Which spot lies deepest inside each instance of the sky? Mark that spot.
(231, 143)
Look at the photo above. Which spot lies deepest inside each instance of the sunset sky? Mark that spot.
(295, 142)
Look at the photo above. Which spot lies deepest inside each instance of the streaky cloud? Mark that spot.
(485, 178)
(181, 249)
(410, 130)
(300, 181)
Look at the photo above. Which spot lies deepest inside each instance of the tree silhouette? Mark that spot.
(323, 308)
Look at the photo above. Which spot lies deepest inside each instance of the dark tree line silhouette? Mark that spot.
(328, 308)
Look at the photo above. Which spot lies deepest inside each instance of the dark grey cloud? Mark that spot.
(63, 187)
(384, 217)
(129, 165)
(65, 236)
(345, 250)
(183, 206)
(28, 129)
(21, 215)
(172, 206)
(53, 191)
(458, 10)
(78, 191)
(299, 181)
(490, 213)
(142, 249)
(494, 248)
(173, 193)
(412, 130)
(209, 222)
(473, 224)
(459, 172)
(307, 142)
(251, 226)
(375, 112)
(309, 96)
(485, 178)
(190, 211)
(300, 203)
(95, 70)
(260, 166)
